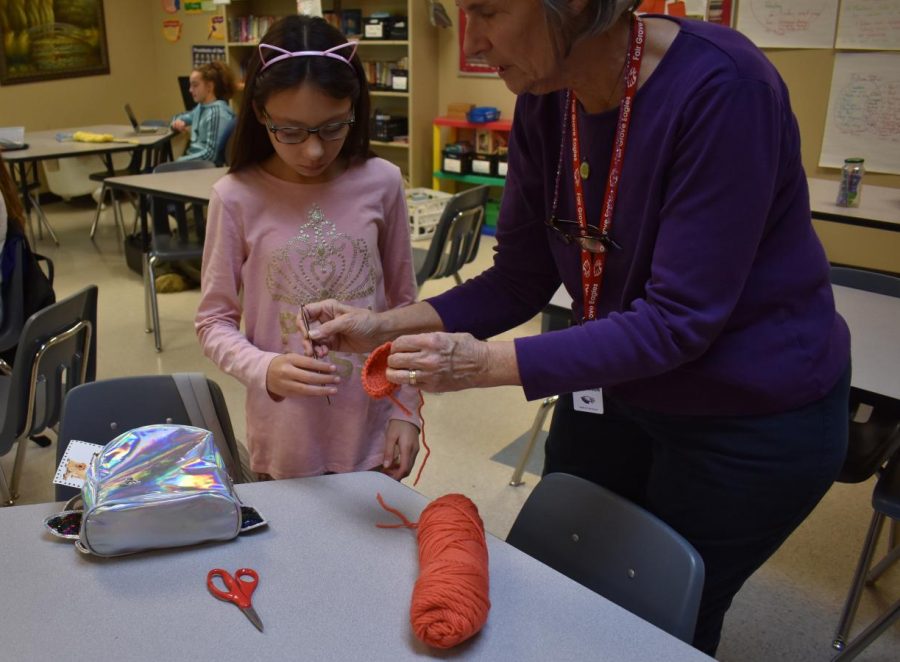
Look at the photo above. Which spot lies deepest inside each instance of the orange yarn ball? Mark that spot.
(450, 600)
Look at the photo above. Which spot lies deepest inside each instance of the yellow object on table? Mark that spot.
(89, 137)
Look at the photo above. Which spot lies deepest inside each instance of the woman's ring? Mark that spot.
(412, 377)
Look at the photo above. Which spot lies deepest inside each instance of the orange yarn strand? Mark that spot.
(450, 601)
(376, 384)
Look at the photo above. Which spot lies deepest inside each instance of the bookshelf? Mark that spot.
(418, 103)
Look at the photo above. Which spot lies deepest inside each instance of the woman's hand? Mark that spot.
(293, 374)
(442, 362)
(343, 328)
(401, 446)
(178, 125)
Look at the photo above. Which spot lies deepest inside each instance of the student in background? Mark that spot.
(306, 212)
(212, 85)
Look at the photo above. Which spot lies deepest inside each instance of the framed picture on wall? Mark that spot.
(471, 66)
(52, 39)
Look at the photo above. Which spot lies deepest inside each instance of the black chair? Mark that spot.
(614, 548)
(100, 411)
(873, 449)
(456, 237)
(168, 247)
(12, 315)
(56, 352)
(886, 505)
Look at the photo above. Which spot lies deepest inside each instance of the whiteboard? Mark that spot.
(869, 25)
(862, 117)
(789, 23)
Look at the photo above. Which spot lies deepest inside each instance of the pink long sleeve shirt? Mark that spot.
(272, 245)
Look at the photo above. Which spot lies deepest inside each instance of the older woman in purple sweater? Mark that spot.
(655, 172)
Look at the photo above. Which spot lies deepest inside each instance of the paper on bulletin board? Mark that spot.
(862, 112)
(869, 25)
(788, 23)
(172, 30)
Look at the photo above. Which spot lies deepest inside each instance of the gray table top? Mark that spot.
(192, 185)
(879, 205)
(874, 321)
(44, 144)
(332, 587)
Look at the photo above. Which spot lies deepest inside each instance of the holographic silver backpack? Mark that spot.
(154, 487)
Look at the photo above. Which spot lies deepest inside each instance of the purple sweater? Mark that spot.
(719, 302)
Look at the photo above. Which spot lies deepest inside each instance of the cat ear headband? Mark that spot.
(286, 55)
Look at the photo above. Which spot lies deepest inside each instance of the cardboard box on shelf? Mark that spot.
(459, 110)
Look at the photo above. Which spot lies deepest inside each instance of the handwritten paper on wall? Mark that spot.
(788, 23)
(869, 25)
(862, 115)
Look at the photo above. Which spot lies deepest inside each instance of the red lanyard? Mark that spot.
(592, 263)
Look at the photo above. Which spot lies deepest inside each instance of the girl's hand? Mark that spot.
(178, 125)
(342, 328)
(401, 446)
(442, 361)
(293, 374)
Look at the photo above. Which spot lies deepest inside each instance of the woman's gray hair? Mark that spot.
(596, 17)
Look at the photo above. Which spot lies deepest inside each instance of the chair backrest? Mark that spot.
(457, 235)
(221, 157)
(613, 547)
(56, 352)
(100, 411)
(863, 279)
(174, 166)
(874, 419)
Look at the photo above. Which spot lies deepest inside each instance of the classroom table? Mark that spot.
(43, 145)
(879, 206)
(874, 321)
(192, 186)
(332, 587)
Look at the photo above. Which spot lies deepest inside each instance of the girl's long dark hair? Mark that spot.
(15, 213)
(301, 33)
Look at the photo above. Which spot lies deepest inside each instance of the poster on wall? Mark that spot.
(201, 55)
(719, 11)
(171, 30)
(869, 25)
(47, 40)
(788, 23)
(216, 28)
(862, 112)
(171, 6)
(471, 66)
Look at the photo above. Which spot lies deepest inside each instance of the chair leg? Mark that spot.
(5, 495)
(103, 192)
(856, 587)
(43, 221)
(154, 305)
(539, 419)
(891, 557)
(870, 634)
(457, 278)
(17, 468)
(148, 325)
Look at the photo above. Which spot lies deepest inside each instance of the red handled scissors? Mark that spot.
(238, 591)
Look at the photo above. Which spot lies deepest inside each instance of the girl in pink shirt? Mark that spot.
(306, 212)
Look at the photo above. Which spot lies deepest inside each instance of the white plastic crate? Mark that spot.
(425, 208)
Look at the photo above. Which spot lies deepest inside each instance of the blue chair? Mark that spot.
(221, 157)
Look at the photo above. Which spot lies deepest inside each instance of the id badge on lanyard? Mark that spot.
(592, 264)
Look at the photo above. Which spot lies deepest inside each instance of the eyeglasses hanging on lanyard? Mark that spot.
(595, 241)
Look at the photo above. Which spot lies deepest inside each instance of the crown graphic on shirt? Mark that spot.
(320, 263)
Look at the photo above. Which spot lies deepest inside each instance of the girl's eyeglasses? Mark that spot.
(293, 135)
(590, 238)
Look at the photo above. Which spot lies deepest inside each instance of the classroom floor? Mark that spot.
(785, 612)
